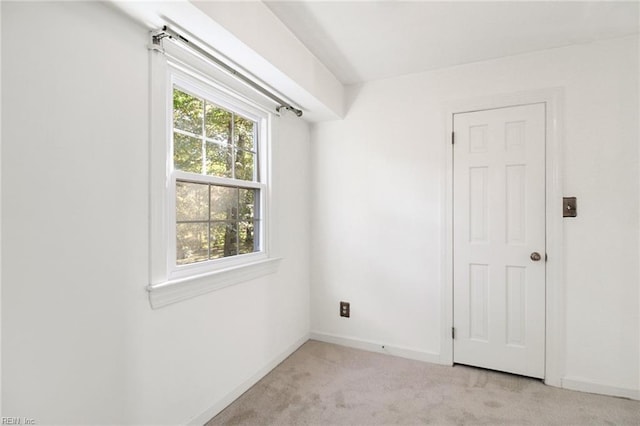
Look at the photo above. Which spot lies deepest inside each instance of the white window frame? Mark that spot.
(169, 282)
(209, 93)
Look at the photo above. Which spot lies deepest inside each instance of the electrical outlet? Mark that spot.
(345, 309)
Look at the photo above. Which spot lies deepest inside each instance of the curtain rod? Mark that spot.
(166, 32)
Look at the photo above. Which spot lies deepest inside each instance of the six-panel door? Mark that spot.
(498, 222)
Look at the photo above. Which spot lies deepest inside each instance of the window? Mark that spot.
(209, 182)
(217, 187)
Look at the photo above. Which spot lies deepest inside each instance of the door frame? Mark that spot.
(555, 289)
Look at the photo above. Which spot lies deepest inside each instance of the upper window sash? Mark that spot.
(229, 140)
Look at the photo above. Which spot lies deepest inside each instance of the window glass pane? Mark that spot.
(191, 242)
(244, 133)
(248, 199)
(192, 201)
(217, 123)
(246, 232)
(187, 112)
(224, 239)
(245, 165)
(224, 203)
(214, 220)
(187, 153)
(218, 160)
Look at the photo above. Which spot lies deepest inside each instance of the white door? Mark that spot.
(498, 228)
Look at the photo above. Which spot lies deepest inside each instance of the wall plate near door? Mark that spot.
(569, 207)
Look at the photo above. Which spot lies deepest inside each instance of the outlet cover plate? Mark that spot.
(345, 309)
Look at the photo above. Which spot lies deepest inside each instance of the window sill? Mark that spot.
(174, 291)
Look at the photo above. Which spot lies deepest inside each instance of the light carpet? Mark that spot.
(325, 384)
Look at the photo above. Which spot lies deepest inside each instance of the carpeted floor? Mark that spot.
(325, 384)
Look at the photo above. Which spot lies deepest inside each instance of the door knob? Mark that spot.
(535, 256)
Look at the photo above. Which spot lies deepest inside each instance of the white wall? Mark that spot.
(378, 177)
(73, 182)
(1, 209)
(80, 342)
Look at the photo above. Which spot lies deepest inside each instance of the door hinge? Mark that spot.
(453, 138)
(453, 333)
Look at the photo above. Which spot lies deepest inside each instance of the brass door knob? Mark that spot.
(535, 256)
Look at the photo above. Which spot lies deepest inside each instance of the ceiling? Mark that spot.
(361, 41)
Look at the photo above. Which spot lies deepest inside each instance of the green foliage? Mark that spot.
(187, 112)
(187, 153)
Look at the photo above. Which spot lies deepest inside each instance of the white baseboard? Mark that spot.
(379, 347)
(584, 385)
(210, 412)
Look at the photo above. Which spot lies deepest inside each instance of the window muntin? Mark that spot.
(216, 180)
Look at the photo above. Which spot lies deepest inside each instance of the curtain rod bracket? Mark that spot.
(157, 36)
(156, 40)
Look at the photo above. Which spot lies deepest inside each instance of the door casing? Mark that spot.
(554, 315)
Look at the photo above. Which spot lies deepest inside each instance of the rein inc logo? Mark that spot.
(17, 421)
